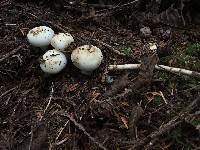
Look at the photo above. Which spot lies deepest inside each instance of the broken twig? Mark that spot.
(158, 67)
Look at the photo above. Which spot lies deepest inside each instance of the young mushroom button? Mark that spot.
(61, 41)
(53, 62)
(87, 58)
(40, 36)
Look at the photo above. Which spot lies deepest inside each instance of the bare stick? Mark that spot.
(11, 53)
(31, 139)
(49, 102)
(124, 67)
(61, 130)
(8, 91)
(50, 97)
(158, 67)
(85, 132)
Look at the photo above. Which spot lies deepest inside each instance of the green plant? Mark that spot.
(177, 138)
(196, 122)
(193, 50)
(158, 100)
(127, 51)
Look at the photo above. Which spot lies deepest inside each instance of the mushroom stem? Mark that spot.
(86, 72)
(44, 47)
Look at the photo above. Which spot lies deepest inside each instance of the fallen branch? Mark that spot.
(85, 132)
(158, 67)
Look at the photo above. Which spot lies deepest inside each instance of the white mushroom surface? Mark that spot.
(61, 41)
(40, 36)
(87, 58)
(53, 62)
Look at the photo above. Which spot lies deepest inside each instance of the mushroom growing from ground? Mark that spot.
(53, 62)
(61, 41)
(40, 36)
(87, 58)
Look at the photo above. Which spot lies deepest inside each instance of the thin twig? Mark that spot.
(50, 97)
(8, 91)
(11, 53)
(158, 67)
(85, 132)
(31, 139)
(49, 102)
(62, 141)
(61, 130)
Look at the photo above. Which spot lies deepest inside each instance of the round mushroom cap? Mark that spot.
(61, 41)
(53, 61)
(40, 36)
(87, 57)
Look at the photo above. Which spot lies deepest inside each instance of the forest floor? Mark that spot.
(111, 109)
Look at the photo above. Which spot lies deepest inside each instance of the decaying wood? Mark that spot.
(146, 72)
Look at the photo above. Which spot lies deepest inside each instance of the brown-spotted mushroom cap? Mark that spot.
(53, 62)
(61, 41)
(40, 36)
(87, 58)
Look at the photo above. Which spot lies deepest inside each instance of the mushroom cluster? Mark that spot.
(87, 57)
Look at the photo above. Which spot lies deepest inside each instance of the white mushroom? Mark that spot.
(61, 41)
(53, 62)
(40, 36)
(87, 58)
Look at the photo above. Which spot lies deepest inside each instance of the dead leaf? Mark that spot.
(151, 95)
(94, 95)
(125, 121)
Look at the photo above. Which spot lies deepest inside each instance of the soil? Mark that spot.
(120, 109)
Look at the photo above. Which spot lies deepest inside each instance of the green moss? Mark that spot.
(193, 50)
(158, 100)
(127, 51)
(187, 58)
(196, 122)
